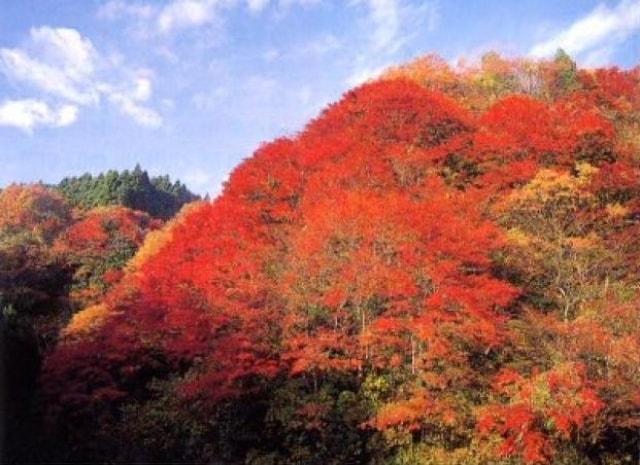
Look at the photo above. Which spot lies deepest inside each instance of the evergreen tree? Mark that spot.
(158, 196)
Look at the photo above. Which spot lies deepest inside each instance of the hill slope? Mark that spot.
(441, 268)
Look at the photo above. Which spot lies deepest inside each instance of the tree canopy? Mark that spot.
(441, 268)
(135, 189)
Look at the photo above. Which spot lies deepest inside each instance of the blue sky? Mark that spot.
(191, 87)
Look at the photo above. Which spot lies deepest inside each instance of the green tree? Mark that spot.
(158, 196)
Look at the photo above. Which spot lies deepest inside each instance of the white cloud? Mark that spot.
(385, 16)
(142, 90)
(130, 101)
(58, 61)
(313, 49)
(599, 56)
(595, 35)
(116, 8)
(129, 106)
(362, 75)
(67, 48)
(163, 18)
(60, 64)
(66, 115)
(257, 5)
(288, 3)
(204, 182)
(391, 21)
(393, 24)
(29, 113)
(199, 179)
(182, 14)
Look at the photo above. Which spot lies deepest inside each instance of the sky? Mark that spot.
(190, 88)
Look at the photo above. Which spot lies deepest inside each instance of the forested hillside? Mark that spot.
(157, 196)
(55, 260)
(441, 268)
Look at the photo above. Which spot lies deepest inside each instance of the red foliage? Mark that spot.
(97, 230)
(99, 245)
(519, 134)
(547, 406)
(612, 89)
(365, 243)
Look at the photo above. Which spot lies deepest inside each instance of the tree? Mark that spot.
(157, 196)
(31, 275)
(441, 268)
(99, 245)
(32, 282)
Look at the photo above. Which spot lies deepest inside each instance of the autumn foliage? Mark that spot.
(54, 260)
(443, 263)
(99, 245)
(31, 274)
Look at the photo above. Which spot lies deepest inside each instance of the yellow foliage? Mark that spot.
(518, 237)
(616, 210)
(585, 172)
(156, 240)
(550, 185)
(87, 320)
(153, 242)
(429, 70)
(549, 181)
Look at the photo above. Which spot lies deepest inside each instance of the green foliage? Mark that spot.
(566, 77)
(165, 429)
(314, 422)
(158, 196)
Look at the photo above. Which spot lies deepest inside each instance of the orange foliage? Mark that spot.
(367, 244)
(86, 320)
(34, 209)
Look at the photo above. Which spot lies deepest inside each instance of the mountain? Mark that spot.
(441, 268)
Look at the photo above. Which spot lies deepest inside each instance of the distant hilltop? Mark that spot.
(135, 189)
